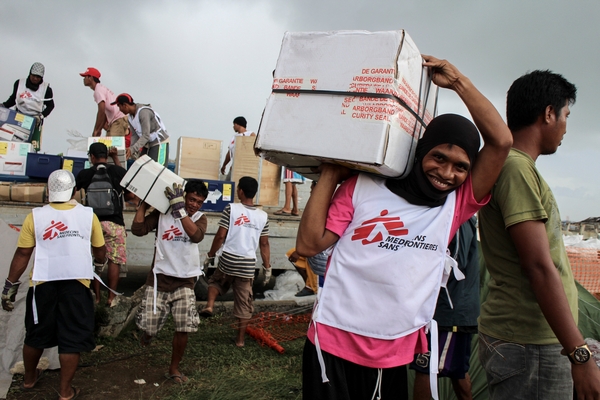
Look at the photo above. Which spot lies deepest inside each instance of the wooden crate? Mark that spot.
(198, 158)
(246, 163)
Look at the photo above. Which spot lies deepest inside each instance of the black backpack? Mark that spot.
(101, 195)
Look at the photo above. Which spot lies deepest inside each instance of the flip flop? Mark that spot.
(39, 376)
(177, 378)
(281, 212)
(205, 313)
(296, 214)
(76, 393)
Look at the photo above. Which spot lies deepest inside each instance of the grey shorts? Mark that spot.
(181, 303)
(525, 371)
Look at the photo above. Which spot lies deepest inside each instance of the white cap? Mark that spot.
(37, 69)
(60, 186)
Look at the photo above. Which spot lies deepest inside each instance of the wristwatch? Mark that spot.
(580, 355)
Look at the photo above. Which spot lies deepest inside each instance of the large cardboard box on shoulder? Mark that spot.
(198, 158)
(148, 179)
(356, 98)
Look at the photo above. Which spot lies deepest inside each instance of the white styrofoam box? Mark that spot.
(148, 179)
(13, 157)
(109, 141)
(367, 101)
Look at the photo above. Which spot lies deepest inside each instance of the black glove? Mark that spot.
(176, 200)
(9, 293)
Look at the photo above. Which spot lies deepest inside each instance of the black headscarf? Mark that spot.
(444, 129)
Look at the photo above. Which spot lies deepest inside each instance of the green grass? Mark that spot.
(217, 369)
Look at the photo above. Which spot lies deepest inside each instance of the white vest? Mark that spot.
(385, 271)
(137, 126)
(245, 227)
(63, 243)
(176, 254)
(29, 102)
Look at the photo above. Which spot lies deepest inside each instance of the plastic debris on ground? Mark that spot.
(286, 286)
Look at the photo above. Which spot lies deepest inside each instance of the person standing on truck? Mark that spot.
(109, 117)
(239, 127)
(175, 269)
(149, 134)
(391, 237)
(113, 224)
(242, 229)
(34, 97)
(59, 306)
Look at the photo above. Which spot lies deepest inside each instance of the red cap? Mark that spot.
(91, 72)
(123, 98)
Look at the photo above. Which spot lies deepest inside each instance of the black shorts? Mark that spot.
(65, 312)
(454, 355)
(348, 380)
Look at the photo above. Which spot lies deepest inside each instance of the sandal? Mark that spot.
(40, 372)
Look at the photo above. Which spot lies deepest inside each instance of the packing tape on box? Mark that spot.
(11, 191)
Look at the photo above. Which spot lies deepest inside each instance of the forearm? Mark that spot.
(19, 263)
(192, 230)
(217, 241)
(142, 224)
(100, 121)
(265, 254)
(99, 253)
(312, 235)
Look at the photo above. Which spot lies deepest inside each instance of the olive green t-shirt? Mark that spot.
(511, 311)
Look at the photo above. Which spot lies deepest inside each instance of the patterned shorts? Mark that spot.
(114, 239)
(181, 303)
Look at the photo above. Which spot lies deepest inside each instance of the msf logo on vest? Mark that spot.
(54, 230)
(172, 234)
(379, 229)
(25, 95)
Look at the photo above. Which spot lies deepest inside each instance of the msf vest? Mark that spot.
(28, 101)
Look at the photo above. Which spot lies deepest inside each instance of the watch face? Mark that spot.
(581, 355)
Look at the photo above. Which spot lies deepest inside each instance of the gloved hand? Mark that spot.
(267, 275)
(209, 261)
(9, 293)
(176, 200)
(99, 266)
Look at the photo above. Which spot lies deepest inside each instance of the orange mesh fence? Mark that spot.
(271, 328)
(585, 264)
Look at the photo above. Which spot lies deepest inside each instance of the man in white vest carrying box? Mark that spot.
(60, 308)
(176, 267)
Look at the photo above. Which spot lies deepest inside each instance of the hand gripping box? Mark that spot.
(148, 179)
(356, 98)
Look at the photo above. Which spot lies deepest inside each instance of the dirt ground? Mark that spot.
(113, 380)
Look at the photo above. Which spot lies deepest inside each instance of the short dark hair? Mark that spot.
(529, 96)
(241, 121)
(249, 186)
(196, 186)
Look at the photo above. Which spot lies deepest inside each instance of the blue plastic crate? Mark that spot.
(42, 165)
(220, 193)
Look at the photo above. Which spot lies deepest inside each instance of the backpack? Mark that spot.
(101, 195)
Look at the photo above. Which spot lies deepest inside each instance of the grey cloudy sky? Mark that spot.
(202, 63)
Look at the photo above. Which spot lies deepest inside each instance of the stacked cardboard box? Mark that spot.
(15, 127)
(13, 157)
(246, 163)
(198, 158)
(360, 99)
(112, 141)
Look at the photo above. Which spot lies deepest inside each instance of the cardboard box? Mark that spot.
(42, 165)
(220, 193)
(15, 127)
(364, 101)
(13, 157)
(198, 158)
(23, 192)
(148, 179)
(247, 163)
